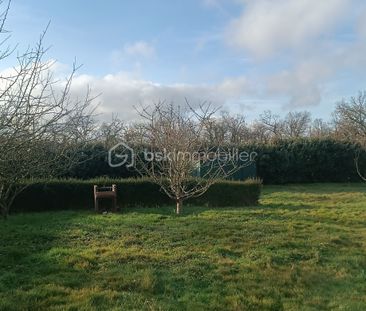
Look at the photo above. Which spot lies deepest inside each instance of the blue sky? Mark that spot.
(244, 55)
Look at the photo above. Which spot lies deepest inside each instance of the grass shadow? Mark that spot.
(315, 188)
(165, 210)
(287, 207)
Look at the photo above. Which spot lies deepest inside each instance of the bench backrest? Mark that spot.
(105, 190)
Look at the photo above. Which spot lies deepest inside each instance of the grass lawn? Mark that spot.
(303, 248)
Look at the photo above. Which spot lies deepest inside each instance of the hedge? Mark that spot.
(308, 160)
(45, 195)
(287, 161)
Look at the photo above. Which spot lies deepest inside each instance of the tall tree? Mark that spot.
(39, 126)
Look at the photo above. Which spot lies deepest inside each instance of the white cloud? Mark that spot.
(303, 85)
(302, 47)
(266, 26)
(134, 53)
(139, 48)
(120, 93)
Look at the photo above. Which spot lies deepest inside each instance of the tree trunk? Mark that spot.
(179, 205)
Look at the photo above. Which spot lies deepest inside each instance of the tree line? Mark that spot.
(346, 123)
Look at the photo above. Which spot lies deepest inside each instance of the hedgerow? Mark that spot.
(286, 161)
(44, 195)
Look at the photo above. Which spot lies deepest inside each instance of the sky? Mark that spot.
(245, 56)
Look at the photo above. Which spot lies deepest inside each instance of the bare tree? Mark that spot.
(135, 134)
(296, 124)
(350, 118)
(113, 132)
(215, 132)
(350, 123)
(236, 128)
(40, 125)
(320, 129)
(271, 124)
(259, 133)
(229, 129)
(176, 151)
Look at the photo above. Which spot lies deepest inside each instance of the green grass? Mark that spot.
(303, 248)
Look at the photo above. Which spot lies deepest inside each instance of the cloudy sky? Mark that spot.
(245, 55)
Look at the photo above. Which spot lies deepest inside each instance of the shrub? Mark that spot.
(44, 195)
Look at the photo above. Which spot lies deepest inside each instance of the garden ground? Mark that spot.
(303, 248)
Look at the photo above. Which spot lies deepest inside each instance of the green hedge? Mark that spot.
(307, 161)
(78, 194)
(231, 193)
(287, 161)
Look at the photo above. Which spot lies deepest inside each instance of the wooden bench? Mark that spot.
(105, 193)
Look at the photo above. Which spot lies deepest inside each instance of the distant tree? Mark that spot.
(320, 129)
(259, 133)
(235, 128)
(350, 118)
(350, 123)
(112, 133)
(227, 129)
(271, 124)
(215, 132)
(296, 124)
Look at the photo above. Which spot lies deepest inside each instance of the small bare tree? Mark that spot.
(40, 124)
(176, 151)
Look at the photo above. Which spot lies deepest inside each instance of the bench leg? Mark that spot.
(115, 204)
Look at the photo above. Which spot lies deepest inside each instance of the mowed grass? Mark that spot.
(303, 248)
